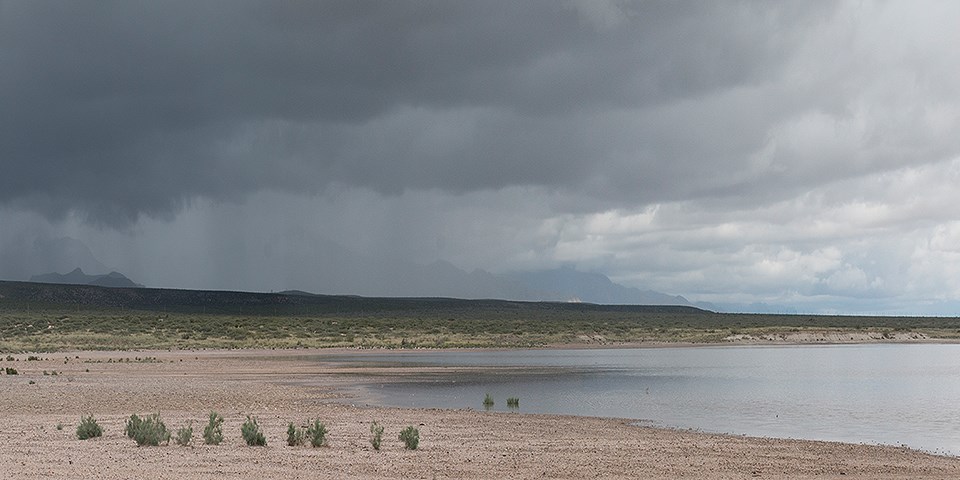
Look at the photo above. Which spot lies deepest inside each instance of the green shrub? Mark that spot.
(149, 430)
(317, 433)
(376, 432)
(251, 433)
(513, 402)
(294, 435)
(488, 401)
(185, 435)
(213, 432)
(133, 424)
(410, 437)
(88, 428)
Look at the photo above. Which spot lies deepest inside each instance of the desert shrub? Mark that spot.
(317, 433)
(251, 433)
(410, 437)
(294, 435)
(213, 432)
(11, 371)
(488, 401)
(513, 402)
(185, 435)
(149, 430)
(59, 426)
(88, 428)
(376, 435)
(33, 358)
(133, 424)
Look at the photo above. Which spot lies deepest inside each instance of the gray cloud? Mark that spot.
(119, 109)
(800, 153)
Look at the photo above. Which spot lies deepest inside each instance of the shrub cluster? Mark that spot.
(295, 435)
(185, 435)
(376, 435)
(251, 433)
(88, 428)
(213, 432)
(149, 430)
(317, 433)
(410, 437)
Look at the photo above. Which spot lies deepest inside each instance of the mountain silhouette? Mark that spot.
(77, 277)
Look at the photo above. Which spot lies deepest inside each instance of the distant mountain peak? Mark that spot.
(77, 277)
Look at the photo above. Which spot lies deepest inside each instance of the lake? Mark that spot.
(894, 394)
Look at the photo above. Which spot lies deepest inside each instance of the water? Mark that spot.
(884, 394)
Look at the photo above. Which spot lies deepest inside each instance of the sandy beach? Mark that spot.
(277, 388)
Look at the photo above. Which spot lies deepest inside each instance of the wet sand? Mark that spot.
(185, 386)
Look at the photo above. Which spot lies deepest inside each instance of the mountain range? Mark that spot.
(319, 265)
(77, 277)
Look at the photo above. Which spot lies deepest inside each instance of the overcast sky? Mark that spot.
(796, 153)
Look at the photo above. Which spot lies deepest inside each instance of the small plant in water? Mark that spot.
(317, 433)
(88, 428)
(513, 402)
(488, 402)
(410, 437)
(213, 432)
(251, 433)
(376, 435)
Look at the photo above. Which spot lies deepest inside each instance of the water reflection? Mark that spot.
(890, 394)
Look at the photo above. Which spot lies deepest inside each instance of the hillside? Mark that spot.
(49, 317)
(294, 302)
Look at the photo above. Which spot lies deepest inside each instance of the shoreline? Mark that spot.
(185, 385)
(553, 346)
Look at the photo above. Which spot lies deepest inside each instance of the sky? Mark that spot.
(793, 153)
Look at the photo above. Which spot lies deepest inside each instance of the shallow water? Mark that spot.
(887, 394)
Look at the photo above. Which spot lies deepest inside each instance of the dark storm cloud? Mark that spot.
(118, 109)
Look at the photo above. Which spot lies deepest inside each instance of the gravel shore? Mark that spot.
(277, 388)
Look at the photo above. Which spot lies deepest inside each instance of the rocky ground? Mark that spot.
(37, 430)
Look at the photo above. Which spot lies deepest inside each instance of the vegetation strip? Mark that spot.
(43, 318)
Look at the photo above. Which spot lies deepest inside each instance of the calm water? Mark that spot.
(887, 394)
